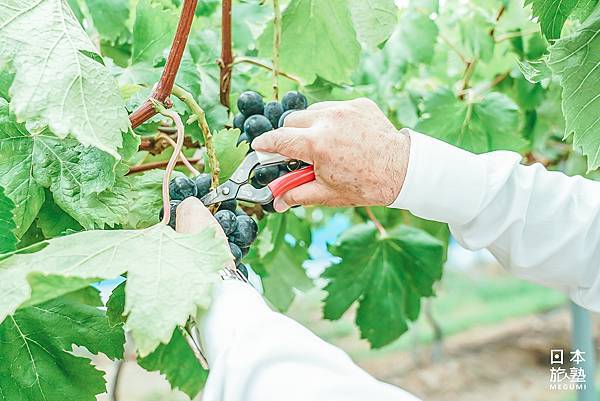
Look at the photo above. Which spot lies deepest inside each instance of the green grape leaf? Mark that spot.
(110, 19)
(535, 71)
(327, 23)
(374, 20)
(553, 14)
(169, 275)
(388, 275)
(144, 199)
(230, 156)
(576, 59)
(115, 307)
(36, 363)
(423, 32)
(85, 182)
(8, 240)
(53, 221)
(477, 43)
(155, 24)
(479, 125)
(56, 81)
(178, 363)
(278, 255)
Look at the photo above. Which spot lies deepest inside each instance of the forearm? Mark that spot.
(259, 355)
(543, 226)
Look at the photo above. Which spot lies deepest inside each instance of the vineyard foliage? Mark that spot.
(80, 189)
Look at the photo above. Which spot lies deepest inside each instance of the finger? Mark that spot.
(193, 217)
(290, 142)
(312, 193)
(301, 119)
(325, 105)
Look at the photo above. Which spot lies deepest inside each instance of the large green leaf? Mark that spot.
(374, 20)
(178, 363)
(78, 177)
(552, 14)
(53, 221)
(8, 240)
(144, 199)
(422, 32)
(576, 59)
(278, 256)
(155, 24)
(110, 18)
(170, 275)
(477, 125)
(326, 23)
(388, 275)
(58, 78)
(36, 363)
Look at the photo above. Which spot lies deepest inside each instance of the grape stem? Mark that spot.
(226, 60)
(151, 166)
(276, 47)
(258, 63)
(377, 223)
(200, 116)
(163, 89)
(172, 114)
(194, 347)
(182, 157)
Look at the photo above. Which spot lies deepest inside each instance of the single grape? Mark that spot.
(283, 116)
(182, 187)
(294, 100)
(203, 183)
(273, 111)
(255, 184)
(228, 221)
(264, 175)
(173, 204)
(245, 233)
(250, 103)
(243, 138)
(243, 269)
(236, 252)
(228, 205)
(257, 125)
(238, 121)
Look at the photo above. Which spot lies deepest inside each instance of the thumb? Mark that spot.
(312, 193)
(192, 217)
(287, 141)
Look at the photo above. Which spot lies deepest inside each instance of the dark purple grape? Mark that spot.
(181, 188)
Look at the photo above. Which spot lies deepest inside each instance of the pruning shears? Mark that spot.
(238, 185)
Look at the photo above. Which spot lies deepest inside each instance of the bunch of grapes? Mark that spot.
(241, 229)
(256, 118)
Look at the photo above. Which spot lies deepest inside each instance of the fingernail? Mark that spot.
(280, 205)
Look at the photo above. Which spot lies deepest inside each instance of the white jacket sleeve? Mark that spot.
(543, 226)
(256, 354)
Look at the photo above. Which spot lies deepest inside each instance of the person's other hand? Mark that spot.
(359, 157)
(193, 217)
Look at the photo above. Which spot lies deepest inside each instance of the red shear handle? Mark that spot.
(292, 180)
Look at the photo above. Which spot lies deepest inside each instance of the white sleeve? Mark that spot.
(256, 354)
(543, 226)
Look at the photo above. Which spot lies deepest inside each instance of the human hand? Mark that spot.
(192, 217)
(359, 157)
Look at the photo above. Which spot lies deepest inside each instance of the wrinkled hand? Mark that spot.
(360, 158)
